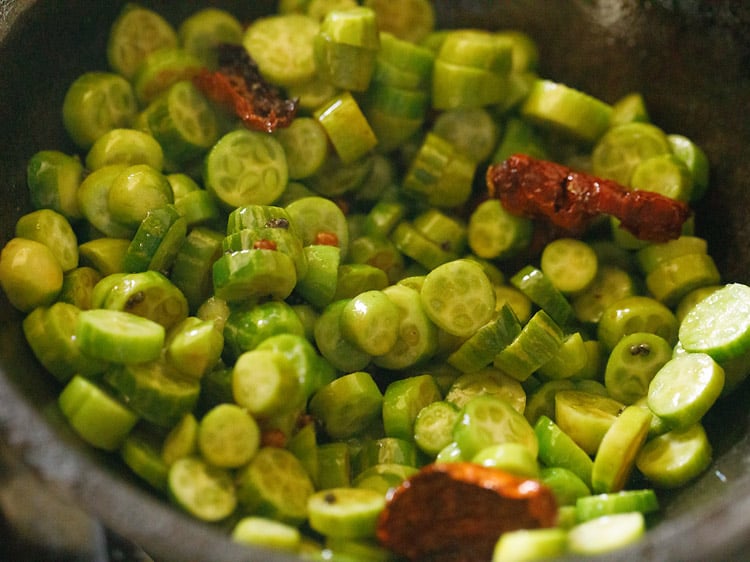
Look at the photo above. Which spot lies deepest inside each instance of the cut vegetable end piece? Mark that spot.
(532, 544)
(675, 458)
(607, 533)
(685, 388)
(719, 325)
(563, 108)
(458, 297)
(119, 336)
(590, 507)
(205, 492)
(617, 452)
(345, 512)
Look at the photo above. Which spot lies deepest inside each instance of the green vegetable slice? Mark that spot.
(98, 417)
(570, 264)
(347, 405)
(632, 365)
(275, 484)
(228, 436)
(486, 381)
(403, 400)
(154, 390)
(585, 417)
(94, 104)
(53, 230)
(181, 441)
(566, 485)
(370, 321)
(685, 388)
(531, 544)
(200, 32)
(265, 383)
(282, 45)
(262, 531)
(536, 285)
(247, 274)
(561, 107)
(514, 458)
(623, 147)
(418, 338)
(537, 343)
(53, 178)
(246, 168)
(606, 534)
(675, 458)
(558, 449)
(625, 501)
(119, 336)
(135, 33)
(636, 314)
(51, 334)
(458, 297)
(488, 420)
(140, 452)
(719, 325)
(345, 512)
(205, 492)
(157, 241)
(339, 351)
(617, 452)
(433, 426)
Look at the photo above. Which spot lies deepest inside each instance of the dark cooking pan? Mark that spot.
(691, 61)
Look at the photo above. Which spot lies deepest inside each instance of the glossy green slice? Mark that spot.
(615, 458)
(675, 458)
(119, 336)
(345, 512)
(719, 325)
(136, 32)
(606, 534)
(564, 108)
(282, 45)
(98, 417)
(685, 388)
(246, 167)
(458, 297)
(489, 420)
(204, 491)
(624, 147)
(642, 500)
(275, 484)
(632, 365)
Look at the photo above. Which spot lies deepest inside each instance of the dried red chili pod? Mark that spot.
(264, 244)
(326, 238)
(239, 86)
(570, 200)
(455, 512)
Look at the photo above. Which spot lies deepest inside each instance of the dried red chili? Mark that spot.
(455, 512)
(239, 86)
(570, 200)
(273, 438)
(326, 238)
(264, 244)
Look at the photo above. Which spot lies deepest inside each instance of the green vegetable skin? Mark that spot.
(261, 311)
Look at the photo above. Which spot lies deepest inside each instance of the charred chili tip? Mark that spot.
(239, 86)
(570, 200)
(456, 512)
